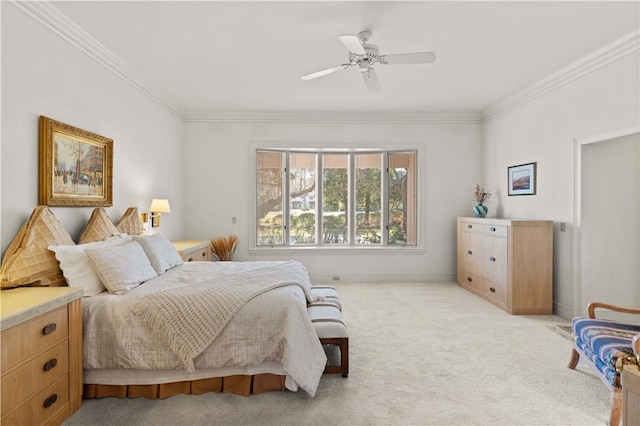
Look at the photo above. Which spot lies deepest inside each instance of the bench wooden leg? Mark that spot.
(343, 368)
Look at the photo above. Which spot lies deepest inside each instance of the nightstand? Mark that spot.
(41, 354)
(193, 250)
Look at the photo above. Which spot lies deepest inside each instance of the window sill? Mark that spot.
(350, 250)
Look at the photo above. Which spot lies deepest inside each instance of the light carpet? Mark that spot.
(420, 354)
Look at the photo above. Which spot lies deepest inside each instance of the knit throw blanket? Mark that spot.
(188, 319)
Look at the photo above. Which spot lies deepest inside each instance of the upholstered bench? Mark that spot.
(327, 319)
(328, 293)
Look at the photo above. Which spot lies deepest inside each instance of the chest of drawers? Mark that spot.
(507, 262)
(41, 355)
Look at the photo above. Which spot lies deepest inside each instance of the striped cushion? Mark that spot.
(328, 294)
(327, 320)
(604, 342)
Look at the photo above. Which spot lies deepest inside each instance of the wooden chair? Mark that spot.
(607, 346)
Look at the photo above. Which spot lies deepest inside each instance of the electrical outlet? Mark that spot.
(563, 227)
(234, 220)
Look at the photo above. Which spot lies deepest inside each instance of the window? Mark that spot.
(363, 198)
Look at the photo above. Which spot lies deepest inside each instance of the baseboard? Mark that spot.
(563, 311)
(426, 278)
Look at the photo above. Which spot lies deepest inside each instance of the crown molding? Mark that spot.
(50, 17)
(54, 20)
(333, 117)
(598, 59)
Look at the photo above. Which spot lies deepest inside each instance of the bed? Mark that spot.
(163, 327)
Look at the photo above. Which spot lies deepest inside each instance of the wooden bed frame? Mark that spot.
(240, 385)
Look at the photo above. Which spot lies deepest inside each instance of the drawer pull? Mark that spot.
(469, 226)
(469, 279)
(492, 229)
(50, 400)
(469, 252)
(190, 259)
(493, 259)
(492, 290)
(49, 328)
(50, 364)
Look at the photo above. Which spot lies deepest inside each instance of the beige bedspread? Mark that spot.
(271, 327)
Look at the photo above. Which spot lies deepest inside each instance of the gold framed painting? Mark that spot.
(75, 166)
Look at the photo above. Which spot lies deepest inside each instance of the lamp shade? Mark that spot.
(159, 205)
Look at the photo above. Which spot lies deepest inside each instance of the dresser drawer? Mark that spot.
(48, 405)
(471, 280)
(33, 336)
(496, 292)
(37, 374)
(485, 229)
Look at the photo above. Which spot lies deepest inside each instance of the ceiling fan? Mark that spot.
(365, 56)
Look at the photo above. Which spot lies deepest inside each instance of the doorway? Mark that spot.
(608, 209)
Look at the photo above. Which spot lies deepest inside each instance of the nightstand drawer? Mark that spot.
(49, 406)
(27, 339)
(34, 375)
(193, 250)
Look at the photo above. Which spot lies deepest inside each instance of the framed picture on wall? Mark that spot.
(522, 179)
(75, 166)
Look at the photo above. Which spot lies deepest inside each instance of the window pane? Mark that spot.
(368, 198)
(402, 198)
(270, 166)
(302, 198)
(335, 198)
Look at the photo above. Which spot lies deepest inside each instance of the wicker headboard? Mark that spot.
(28, 262)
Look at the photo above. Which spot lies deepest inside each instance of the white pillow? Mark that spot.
(161, 253)
(121, 268)
(75, 264)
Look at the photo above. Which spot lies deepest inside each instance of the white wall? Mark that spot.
(219, 186)
(543, 130)
(44, 75)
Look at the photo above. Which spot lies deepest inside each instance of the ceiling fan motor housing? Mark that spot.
(367, 60)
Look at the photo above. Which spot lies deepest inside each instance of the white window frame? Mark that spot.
(419, 248)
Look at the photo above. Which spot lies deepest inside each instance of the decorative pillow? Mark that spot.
(75, 264)
(98, 228)
(130, 222)
(27, 260)
(161, 253)
(121, 268)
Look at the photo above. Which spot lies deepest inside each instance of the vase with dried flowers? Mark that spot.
(481, 195)
(224, 247)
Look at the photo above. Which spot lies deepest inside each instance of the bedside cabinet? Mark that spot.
(193, 250)
(41, 354)
(630, 395)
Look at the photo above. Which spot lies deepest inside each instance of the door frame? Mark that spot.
(578, 145)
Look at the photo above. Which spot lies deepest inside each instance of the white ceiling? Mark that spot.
(249, 56)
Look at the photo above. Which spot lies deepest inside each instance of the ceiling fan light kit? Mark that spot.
(366, 55)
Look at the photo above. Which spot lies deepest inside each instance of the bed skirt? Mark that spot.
(244, 385)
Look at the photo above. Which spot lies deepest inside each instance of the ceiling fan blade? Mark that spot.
(352, 43)
(408, 58)
(371, 80)
(325, 72)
